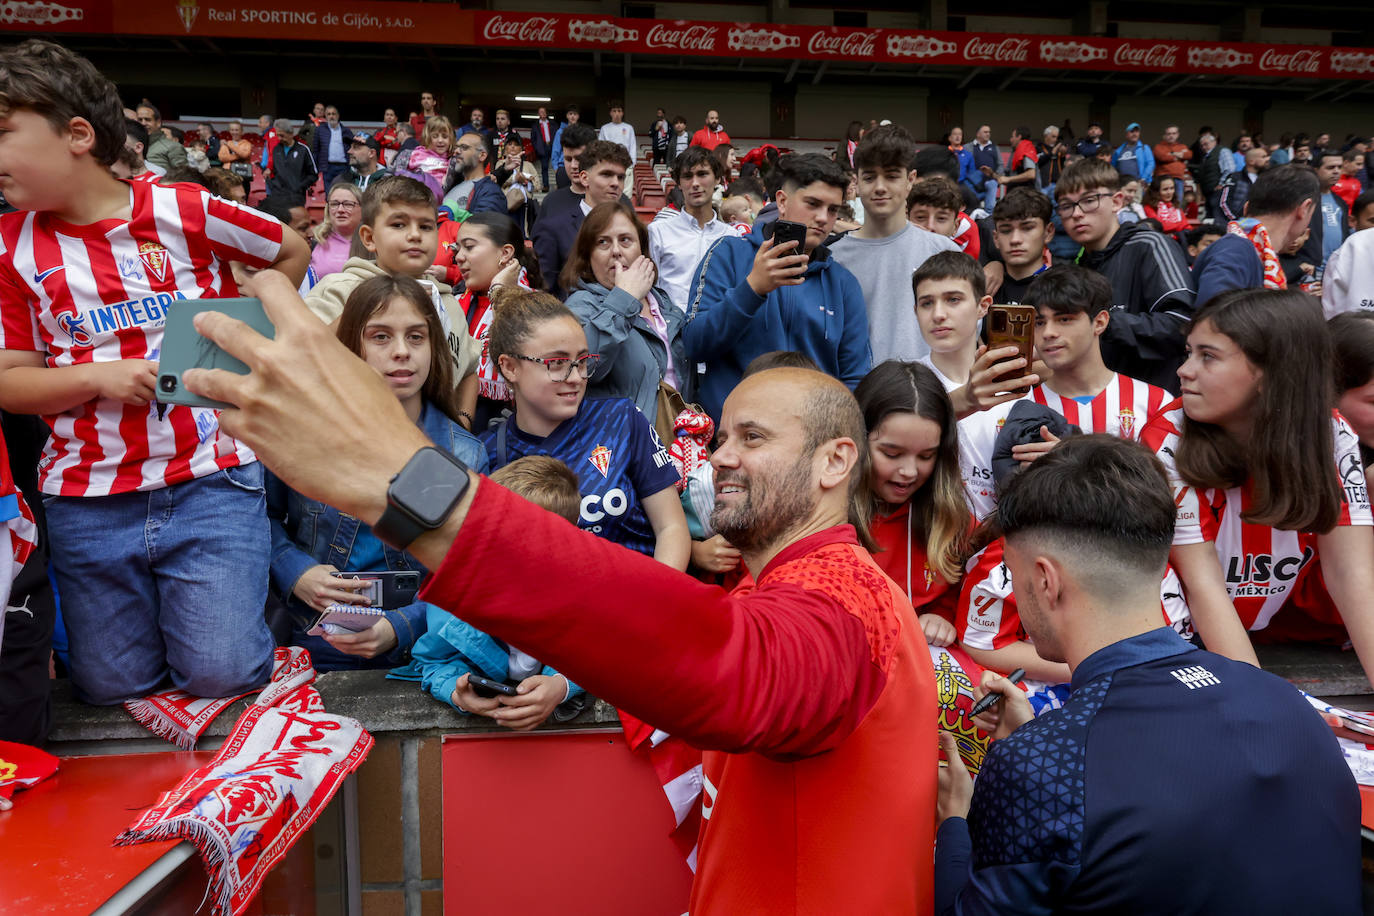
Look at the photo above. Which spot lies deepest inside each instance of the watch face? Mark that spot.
(429, 487)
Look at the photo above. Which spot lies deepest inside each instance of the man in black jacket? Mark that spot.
(1152, 291)
(1207, 170)
(329, 146)
(293, 168)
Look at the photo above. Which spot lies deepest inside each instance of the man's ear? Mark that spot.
(1049, 582)
(365, 236)
(837, 460)
(1049, 231)
(1101, 320)
(983, 305)
(781, 200)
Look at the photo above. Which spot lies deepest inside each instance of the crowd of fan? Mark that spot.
(533, 324)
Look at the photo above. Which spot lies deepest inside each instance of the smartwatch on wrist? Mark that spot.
(421, 496)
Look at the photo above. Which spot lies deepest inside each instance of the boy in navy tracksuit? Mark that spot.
(750, 296)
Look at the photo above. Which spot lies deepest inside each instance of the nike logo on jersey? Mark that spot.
(40, 277)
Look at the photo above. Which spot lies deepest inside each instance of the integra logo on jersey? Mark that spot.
(145, 310)
(1252, 574)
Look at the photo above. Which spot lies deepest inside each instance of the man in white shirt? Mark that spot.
(678, 239)
(617, 131)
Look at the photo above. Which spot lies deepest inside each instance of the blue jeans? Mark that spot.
(168, 582)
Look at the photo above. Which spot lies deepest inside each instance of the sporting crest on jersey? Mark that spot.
(154, 258)
(601, 459)
(1127, 418)
(955, 675)
(930, 577)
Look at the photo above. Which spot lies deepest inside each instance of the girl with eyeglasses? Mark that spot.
(627, 480)
(343, 210)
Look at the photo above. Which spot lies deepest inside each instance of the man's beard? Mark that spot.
(770, 507)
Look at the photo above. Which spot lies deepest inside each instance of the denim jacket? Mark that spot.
(633, 357)
(307, 533)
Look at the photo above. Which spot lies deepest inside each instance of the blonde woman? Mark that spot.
(343, 210)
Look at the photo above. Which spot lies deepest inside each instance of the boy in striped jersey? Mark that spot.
(1073, 309)
(156, 518)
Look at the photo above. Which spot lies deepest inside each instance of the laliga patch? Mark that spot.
(207, 422)
(600, 459)
(154, 258)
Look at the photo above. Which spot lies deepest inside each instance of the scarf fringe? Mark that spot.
(152, 718)
(211, 852)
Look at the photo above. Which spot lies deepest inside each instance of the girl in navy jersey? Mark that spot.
(1273, 529)
(627, 480)
(491, 254)
(390, 322)
(921, 513)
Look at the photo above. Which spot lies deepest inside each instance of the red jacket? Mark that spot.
(811, 691)
(903, 558)
(710, 138)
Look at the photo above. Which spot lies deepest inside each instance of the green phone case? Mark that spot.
(183, 348)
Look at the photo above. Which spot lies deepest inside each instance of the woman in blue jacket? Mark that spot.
(629, 321)
(390, 322)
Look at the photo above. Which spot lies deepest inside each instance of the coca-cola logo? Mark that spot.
(691, 38)
(1008, 50)
(918, 46)
(600, 32)
(761, 40)
(1218, 58)
(1351, 62)
(1291, 62)
(851, 44)
(1158, 55)
(536, 29)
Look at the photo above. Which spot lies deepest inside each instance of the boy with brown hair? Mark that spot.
(451, 651)
(88, 267)
(399, 229)
(1152, 291)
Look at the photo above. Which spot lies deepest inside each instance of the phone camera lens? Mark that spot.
(168, 383)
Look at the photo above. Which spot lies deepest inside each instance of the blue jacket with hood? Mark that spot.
(728, 324)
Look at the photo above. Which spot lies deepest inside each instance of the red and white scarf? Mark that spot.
(477, 307)
(23, 767)
(1254, 230)
(678, 767)
(182, 718)
(275, 773)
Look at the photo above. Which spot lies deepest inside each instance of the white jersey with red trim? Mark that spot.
(977, 437)
(987, 617)
(1121, 409)
(99, 293)
(1263, 567)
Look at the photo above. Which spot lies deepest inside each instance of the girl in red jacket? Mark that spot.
(920, 512)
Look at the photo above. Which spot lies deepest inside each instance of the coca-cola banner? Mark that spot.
(735, 39)
(449, 24)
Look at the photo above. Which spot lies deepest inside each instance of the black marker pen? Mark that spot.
(991, 699)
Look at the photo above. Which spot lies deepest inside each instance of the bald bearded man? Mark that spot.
(810, 689)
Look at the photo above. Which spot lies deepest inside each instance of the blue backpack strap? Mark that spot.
(501, 442)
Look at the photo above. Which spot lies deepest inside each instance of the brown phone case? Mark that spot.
(1013, 326)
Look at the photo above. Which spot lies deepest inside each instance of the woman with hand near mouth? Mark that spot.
(390, 323)
(626, 315)
(490, 254)
(627, 480)
(920, 513)
(1273, 531)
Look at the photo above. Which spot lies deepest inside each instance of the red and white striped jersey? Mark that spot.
(987, 617)
(1263, 567)
(98, 293)
(1121, 409)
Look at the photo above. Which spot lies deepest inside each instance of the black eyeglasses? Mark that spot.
(561, 368)
(1087, 204)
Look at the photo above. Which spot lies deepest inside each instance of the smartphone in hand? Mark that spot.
(183, 348)
(787, 231)
(1013, 326)
(487, 688)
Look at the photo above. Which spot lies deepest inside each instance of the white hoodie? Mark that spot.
(1348, 281)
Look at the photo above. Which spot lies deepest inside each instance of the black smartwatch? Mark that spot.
(422, 496)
